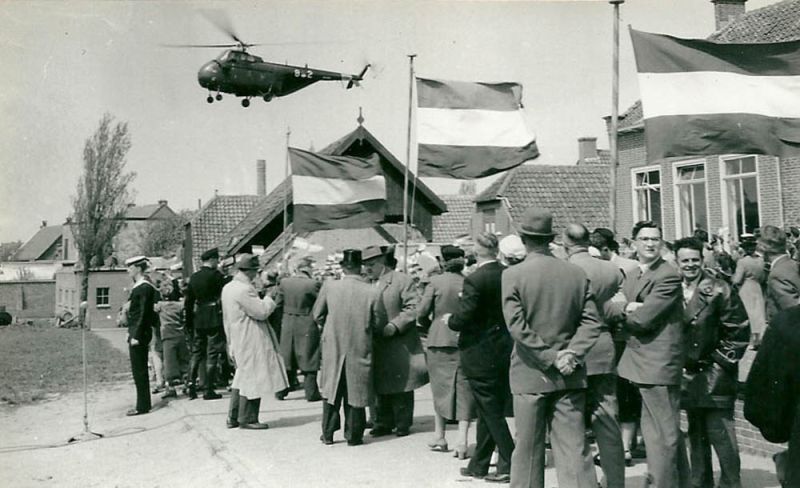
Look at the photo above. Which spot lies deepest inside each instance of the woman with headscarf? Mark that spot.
(452, 397)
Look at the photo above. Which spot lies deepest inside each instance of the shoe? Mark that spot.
(171, 393)
(369, 424)
(211, 395)
(467, 472)
(355, 442)
(401, 433)
(281, 395)
(628, 459)
(192, 392)
(314, 398)
(232, 424)
(497, 478)
(133, 412)
(157, 389)
(254, 426)
(380, 431)
(460, 452)
(438, 445)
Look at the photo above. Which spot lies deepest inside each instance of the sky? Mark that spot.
(65, 64)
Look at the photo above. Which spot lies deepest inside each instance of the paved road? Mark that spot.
(186, 443)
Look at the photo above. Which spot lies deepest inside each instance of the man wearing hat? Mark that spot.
(399, 359)
(783, 282)
(253, 346)
(142, 319)
(299, 334)
(204, 321)
(553, 320)
(348, 312)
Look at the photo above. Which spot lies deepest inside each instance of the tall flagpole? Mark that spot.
(288, 182)
(408, 160)
(612, 137)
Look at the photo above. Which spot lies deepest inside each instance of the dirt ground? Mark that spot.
(186, 443)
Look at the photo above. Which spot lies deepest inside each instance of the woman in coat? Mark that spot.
(452, 396)
(750, 278)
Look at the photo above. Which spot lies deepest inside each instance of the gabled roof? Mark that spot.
(259, 215)
(38, 245)
(577, 194)
(457, 221)
(143, 212)
(217, 217)
(778, 22)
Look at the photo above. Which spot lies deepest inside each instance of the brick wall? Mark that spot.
(790, 174)
(769, 190)
(28, 299)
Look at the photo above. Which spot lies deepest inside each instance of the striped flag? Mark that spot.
(470, 130)
(335, 192)
(704, 98)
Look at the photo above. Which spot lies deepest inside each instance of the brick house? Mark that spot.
(740, 192)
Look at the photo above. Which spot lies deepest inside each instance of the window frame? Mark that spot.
(676, 184)
(634, 186)
(107, 303)
(723, 179)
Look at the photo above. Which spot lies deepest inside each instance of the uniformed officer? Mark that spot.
(204, 321)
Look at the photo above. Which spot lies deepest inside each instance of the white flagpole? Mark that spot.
(408, 160)
(286, 202)
(612, 137)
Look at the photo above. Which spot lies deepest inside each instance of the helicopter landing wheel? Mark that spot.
(246, 102)
(219, 97)
(210, 99)
(268, 97)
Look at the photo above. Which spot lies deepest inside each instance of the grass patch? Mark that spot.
(39, 361)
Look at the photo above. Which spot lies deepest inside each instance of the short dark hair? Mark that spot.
(701, 234)
(689, 243)
(602, 237)
(536, 241)
(645, 224)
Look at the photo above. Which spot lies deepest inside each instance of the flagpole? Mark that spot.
(612, 204)
(286, 202)
(408, 160)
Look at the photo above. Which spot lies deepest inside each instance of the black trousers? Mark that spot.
(492, 398)
(242, 409)
(395, 411)
(355, 418)
(141, 376)
(208, 350)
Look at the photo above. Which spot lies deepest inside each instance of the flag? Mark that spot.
(470, 130)
(335, 192)
(704, 98)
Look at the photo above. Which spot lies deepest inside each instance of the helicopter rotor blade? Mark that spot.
(219, 18)
(200, 45)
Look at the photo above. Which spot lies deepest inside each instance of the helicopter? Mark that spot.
(237, 72)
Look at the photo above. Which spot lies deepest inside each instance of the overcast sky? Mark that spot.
(66, 63)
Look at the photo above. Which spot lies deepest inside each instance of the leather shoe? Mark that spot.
(314, 398)
(467, 472)
(254, 426)
(281, 395)
(325, 441)
(380, 431)
(211, 395)
(497, 478)
(355, 442)
(133, 412)
(401, 433)
(232, 424)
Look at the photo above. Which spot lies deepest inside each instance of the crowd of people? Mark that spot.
(575, 337)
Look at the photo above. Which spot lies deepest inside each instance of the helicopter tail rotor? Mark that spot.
(355, 81)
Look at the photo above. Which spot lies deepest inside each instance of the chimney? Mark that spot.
(261, 177)
(162, 203)
(726, 11)
(587, 148)
(44, 223)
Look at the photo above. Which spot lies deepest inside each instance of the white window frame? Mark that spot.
(676, 194)
(634, 186)
(722, 190)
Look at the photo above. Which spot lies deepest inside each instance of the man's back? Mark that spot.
(783, 285)
(298, 294)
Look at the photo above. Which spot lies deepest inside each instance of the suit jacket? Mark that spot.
(299, 334)
(441, 296)
(605, 280)
(548, 306)
(348, 310)
(142, 317)
(783, 286)
(654, 332)
(717, 334)
(203, 308)
(483, 340)
(399, 360)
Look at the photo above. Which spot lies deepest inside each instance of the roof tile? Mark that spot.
(456, 221)
(221, 214)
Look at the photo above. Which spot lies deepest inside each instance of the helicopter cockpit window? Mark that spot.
(225, 56)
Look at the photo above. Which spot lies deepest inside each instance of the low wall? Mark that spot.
(34, 299)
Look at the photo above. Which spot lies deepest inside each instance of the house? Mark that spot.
(740, 192)
(37, 259)
(263, 226)
(457, 221)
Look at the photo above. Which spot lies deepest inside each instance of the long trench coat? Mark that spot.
(399, 360)
(299, 338)
(260, 371)
(349, 313)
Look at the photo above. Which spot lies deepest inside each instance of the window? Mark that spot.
(690, 193)
(102, 297)
(489, 220)
(740, 187)
(65, 250)
(647, 195)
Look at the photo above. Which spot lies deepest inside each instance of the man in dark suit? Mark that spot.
(605, 280)
(142, 319)
(485, 349)
(783, 282)
(652, 318)
(300, 336)
(548, 307)
(204, 322)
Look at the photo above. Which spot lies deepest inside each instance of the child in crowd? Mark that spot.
(173, 338)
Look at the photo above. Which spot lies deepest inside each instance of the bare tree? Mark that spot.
(164, 237)
(103, 195)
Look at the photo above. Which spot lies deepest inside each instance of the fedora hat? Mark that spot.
(247, 261)
(371, 252)
(351, 258)
(537, 222)
(212, 253)
(451, 252)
